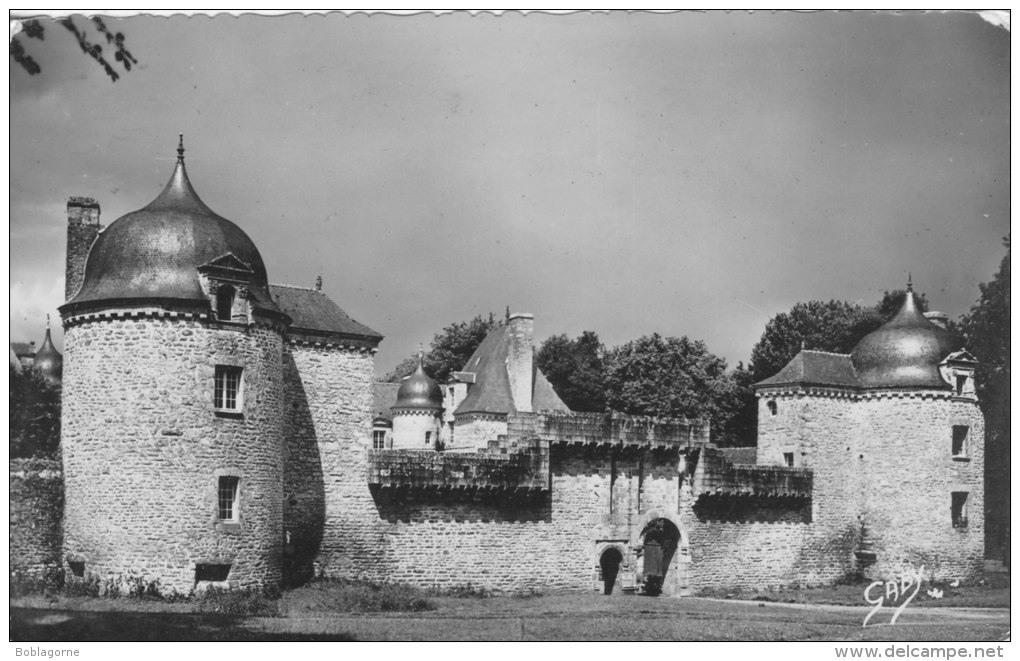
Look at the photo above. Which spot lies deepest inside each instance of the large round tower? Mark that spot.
(173, 402)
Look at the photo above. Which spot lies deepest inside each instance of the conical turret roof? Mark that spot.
(419, 391)
(48, 361)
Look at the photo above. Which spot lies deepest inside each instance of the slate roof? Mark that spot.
(316, 317)
(383, 397)
(23, 348)
(490, 392)
(819, 368)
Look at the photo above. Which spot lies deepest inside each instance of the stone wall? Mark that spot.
(909, 474)
(36, 514)
(143, 449)
(474, 431)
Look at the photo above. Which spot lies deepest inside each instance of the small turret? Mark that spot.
(48, 360)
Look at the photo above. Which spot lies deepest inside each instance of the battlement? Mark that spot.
(522, 468)
(612, 429)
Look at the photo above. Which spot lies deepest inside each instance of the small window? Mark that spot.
(228, 389)
(788, 458)
(428, 437)
(77, 568)
(227, 505)
(960, 509)
(773, 408)
(379, 439)
(224, 302)
(210, 572)
(961, 383)
(961, 436)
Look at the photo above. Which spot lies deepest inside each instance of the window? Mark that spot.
(228, 389)
(215, 573)
(961, 434)
(772, 406)
(77, 568)
(224, 302)
(378, 439)
(428, 437)
(960, 509)
(788, 458)
(961, 383)
(226, 501)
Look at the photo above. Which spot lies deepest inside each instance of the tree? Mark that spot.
(449, 351)
(668, 376)
(575, 370)
(34, 415)
(33, 29)
(986, 329)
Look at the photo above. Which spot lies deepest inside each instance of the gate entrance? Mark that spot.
(609, 563)
(661, 538)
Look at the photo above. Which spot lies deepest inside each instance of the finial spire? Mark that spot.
(421, 354)
(47, 322)
(318, 283)
(180, 147)
(910, 284)
(508, 313)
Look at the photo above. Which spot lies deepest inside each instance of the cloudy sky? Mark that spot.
(686, 174)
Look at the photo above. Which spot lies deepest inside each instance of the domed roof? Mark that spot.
(419, 391)
(151, 255)
(905, 352)
(48, 360)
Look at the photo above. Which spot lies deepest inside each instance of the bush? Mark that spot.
(467, 591)
(242, 602)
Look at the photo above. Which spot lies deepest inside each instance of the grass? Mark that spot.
(992, 592)
(347, 596)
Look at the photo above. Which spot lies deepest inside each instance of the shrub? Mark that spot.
(242, 602)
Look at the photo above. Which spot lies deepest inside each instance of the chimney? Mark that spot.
(940, 319)
(82, 228)
(520, 358)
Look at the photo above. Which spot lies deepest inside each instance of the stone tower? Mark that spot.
(895, 438)
(82, 228)
(172, 401)
(418, 412)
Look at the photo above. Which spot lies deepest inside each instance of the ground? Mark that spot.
(584, 617)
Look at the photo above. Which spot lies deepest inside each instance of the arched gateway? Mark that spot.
(663, 555)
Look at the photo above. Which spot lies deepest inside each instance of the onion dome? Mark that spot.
(151, 256)
(419, 391)
(48, 361)
(905, 352)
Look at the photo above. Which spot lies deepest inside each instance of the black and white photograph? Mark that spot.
(552, 326)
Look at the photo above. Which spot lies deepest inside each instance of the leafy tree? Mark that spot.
(575, 370)
(449, 351)
(986, 329)
(33, 29)
(668, 376)
(738, 417)
(34, 415)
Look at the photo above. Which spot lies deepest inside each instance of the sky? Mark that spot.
(628, 173)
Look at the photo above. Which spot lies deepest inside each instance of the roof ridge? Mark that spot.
(828, 353)
(274, 284)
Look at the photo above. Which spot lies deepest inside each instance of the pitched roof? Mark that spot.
(816, 368)
(383, 397)
(316, 317)
(23, 348)
(490, 392)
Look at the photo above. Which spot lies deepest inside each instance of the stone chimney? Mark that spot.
(940, 319)
(520, 359)
(82, 229)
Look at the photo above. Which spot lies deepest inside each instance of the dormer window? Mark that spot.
(225, 302)
(961, 383)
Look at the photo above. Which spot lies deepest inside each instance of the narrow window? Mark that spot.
(228, 389)
(960, 437)
(960, 509)
(227, 504)
(428, 437)
(788, 458)
(961, 383)
(379, 439)
(224, 302)
(772, 406)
